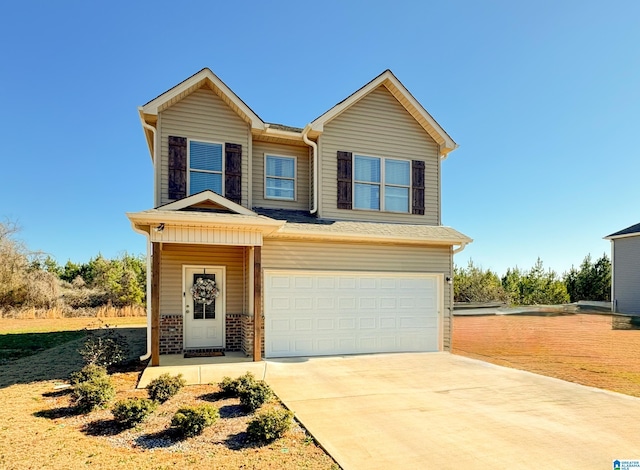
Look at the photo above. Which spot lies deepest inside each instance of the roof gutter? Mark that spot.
(314, 146)
(460, 248)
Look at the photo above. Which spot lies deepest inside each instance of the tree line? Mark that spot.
(535, 286)
(35, 279)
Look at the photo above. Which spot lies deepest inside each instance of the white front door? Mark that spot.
(204, 324)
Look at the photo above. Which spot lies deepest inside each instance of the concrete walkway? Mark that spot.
(436, 410)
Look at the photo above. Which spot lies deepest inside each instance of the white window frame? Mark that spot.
(382, 183)
(295, 177)
(202, 141)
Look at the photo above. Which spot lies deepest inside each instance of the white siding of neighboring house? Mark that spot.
(330, 256)
(378, 125)
(302, 177)
(626, 274)
(202, 116)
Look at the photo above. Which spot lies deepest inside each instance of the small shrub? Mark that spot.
(255, 395)
(87, 373)
(192, 420)
(94, 393)
(269, 425)
(104, 347)
(133, 411)
(232, 387)
(164, 387)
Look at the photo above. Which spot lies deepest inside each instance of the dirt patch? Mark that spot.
(581, 348)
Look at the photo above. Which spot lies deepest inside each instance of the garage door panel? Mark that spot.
(320, 313)
(367, 323)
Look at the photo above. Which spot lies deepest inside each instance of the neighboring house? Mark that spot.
(323, 240)
(625, 270)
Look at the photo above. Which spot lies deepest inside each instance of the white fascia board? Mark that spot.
(196, 219)
(626, 235)
(333, 236)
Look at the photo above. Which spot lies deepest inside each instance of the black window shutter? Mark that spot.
(417, 187)
(345, 165)
(233, 172)
(177, 167)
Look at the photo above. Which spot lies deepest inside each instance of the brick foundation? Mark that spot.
(238, 333)
(233, 327)
(171, 329)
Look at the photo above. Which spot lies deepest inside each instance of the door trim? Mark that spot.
(184, 301)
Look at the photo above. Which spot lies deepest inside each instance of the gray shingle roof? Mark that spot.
(626, 231)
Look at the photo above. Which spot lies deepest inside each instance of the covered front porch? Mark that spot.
(204, 240)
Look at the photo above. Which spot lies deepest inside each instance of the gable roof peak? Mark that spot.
(203, 197)
(404, 97)
(195, 82)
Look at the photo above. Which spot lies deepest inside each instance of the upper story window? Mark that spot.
(381, 184)
(205, 167)
(280, 177)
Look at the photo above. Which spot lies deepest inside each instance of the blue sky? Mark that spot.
(543, 98)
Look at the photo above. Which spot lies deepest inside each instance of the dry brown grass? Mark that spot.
(105, 311)
(40, 430)
(578, 348)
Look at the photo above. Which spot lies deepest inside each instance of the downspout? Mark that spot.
(314, 146)
(149, 127)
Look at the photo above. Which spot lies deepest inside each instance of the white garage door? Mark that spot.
(325, 313)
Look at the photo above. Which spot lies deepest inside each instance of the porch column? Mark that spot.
(257, 303)
(155, 303)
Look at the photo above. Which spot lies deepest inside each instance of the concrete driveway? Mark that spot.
(436, 410)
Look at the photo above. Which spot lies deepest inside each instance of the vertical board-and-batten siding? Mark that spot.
(289, 254)
(174, 256)
(626, 275)
(378, 125)
(302, 175)
(202, 116)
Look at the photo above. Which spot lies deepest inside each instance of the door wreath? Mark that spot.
(204, 291)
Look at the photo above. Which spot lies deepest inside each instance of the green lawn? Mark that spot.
(17, 345)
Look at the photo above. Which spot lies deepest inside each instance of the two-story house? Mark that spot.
(281, 241)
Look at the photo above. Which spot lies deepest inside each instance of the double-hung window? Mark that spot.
(205, 167)
(381, 184)
(280, 177)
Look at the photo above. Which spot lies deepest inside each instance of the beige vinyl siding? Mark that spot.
(175, 256)
(202, 116)
(302, 175)
(378, 125)
(309, 255)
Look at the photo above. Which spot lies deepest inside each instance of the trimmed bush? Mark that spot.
(164, 387)
(255, 395)
(192, 420)
(133, 411)
(270, 424)
(94, 393)
(87, 373)
(104, 347)
(232, 387)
